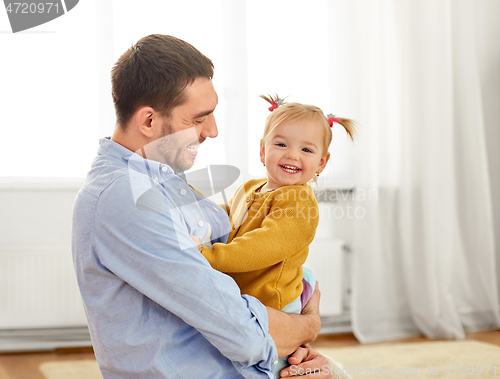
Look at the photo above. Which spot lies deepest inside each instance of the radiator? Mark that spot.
(326, 258)
(38, 288)
(329, 258)
(40, 304)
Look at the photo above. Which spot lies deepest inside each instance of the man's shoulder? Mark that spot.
(98, 183)
(101, 178)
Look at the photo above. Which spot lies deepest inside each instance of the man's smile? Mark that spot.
(193, 149)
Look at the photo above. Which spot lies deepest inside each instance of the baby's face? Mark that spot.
(293, 153)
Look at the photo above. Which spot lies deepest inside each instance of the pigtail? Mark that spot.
(275, 101)
(270, 98)
(348, 124)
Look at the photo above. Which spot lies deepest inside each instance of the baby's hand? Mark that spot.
(197, 242)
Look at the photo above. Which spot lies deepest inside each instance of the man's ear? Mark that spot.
(262, 152)
(322, 163)
(145, 119)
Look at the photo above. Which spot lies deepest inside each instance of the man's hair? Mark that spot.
(154, 72)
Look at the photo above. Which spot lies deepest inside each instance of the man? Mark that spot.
(155, 307)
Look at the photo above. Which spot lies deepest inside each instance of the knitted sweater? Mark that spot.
(269, 241)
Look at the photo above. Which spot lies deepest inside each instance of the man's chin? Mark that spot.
(187, 166)
(182, 161)
(183, 166)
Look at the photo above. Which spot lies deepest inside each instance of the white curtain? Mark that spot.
(424, 254)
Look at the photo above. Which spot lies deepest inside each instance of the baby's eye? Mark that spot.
(307, 150)
(280, 144)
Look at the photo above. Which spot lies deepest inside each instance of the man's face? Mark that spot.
(188, 126)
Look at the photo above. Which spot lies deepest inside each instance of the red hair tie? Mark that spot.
(274, 103)
(331, 119)
(273, 106)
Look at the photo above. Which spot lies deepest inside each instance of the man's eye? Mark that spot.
(199, 121)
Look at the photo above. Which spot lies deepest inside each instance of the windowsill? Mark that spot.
(29, 184)
(41, 183)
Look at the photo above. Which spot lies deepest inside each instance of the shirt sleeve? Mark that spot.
(289, 227)
(141, 244)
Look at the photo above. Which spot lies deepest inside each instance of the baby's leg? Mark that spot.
(308, 283)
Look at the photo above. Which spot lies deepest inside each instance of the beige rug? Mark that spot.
(85, 369)
(423, 360)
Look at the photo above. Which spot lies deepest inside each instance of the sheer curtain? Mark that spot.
(424, 255)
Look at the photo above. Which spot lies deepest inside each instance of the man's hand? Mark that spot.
(308, 363)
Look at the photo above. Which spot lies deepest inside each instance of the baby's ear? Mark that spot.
(323, 161)
(262, 152)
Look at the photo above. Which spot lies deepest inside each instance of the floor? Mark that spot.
(25, 365)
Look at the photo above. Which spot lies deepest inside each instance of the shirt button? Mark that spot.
(156, 178)
(275, 362)
(183, 192)
(248, 199)
(164, 169)
(201, 223)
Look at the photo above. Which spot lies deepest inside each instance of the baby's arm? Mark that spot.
(289, 227)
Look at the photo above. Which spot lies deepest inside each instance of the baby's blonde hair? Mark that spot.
(305, 113)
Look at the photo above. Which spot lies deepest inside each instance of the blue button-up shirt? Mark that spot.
(155, 307)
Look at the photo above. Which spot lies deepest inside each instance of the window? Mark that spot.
(56, 89)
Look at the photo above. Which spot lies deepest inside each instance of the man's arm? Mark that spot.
(289, 331)
(141, 244)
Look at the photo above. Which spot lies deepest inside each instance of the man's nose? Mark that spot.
(209, 127)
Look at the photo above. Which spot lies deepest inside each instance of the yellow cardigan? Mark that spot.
(269, 241)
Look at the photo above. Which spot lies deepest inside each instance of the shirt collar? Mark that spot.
(154, 169)
(181, 175)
